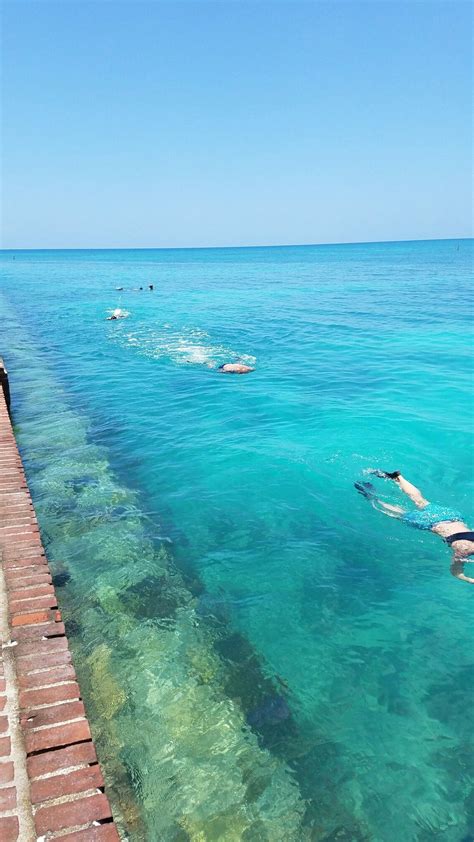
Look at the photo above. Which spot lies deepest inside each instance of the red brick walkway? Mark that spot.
(51, 786)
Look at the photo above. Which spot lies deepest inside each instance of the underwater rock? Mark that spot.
(108, 696)
(258, 695)
(78, 483)
(345, 834)
(73, 627)
(229, 827)
(215, 607)
(245, 681)
(204, 663)
(193, 584)
(108, 599)
(154, 597)
(274, 709)
(61, 579)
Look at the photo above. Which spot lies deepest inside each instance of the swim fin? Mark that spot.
(366, 489)
(385, 474)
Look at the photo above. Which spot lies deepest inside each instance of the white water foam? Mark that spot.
(185, 345)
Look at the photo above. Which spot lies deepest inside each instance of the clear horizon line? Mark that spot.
(259, 246)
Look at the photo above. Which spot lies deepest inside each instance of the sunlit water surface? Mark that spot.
(263, 656)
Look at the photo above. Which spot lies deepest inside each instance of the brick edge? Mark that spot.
(66, 787)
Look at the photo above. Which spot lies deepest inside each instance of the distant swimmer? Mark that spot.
(117, 314)
(235, 368)
(150, 287)
(443, 521)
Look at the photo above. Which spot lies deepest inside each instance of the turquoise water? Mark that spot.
(262, 654)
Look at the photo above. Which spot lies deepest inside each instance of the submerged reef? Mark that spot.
(196, 738)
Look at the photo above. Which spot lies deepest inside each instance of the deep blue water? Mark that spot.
(262, 654)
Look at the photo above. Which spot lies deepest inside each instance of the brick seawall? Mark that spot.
(51, 786)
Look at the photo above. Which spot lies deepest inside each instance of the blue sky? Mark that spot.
(142, 124)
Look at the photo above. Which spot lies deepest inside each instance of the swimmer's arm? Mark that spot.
(457, 568)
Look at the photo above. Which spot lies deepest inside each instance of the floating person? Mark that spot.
(150, 287)
(133, 289)
(443, 521)
(235, 368)
(117, 314)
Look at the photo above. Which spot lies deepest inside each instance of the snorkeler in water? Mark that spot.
(117, 314)
(443, 521)
(235, 368)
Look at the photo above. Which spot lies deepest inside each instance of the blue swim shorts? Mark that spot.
(431, 515)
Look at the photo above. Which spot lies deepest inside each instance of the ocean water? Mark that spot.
(263, 655)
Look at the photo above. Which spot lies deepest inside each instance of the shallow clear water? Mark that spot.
(262, 654)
